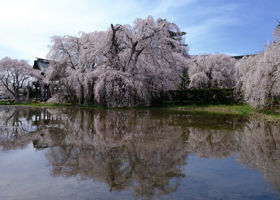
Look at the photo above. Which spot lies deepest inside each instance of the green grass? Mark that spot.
(42, 104)
(243, 110)
(37, 104)
(237, 110)
(55, 105)
(269, 115)
(6, 103)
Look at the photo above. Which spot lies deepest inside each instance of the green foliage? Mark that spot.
(9, 102)
(204, 96)
(185, 81)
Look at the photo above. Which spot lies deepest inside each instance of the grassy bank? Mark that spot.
(241, 110)
(244, 110)
(34, 104)
(49, 105)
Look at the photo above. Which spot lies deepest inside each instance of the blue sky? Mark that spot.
(233, 27)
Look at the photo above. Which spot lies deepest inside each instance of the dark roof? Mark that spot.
(240, 57)
(41, 64)
(236, 57)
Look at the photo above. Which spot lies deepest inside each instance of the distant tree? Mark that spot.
(212, 71)
(14, 75)
(276, 32)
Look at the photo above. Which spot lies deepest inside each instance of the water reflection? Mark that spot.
(15, 128)
(260, 149)
(125, 149)
(143, 151)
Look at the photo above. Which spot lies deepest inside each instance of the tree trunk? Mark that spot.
(28, 94)
(82, 93)
(17, 99)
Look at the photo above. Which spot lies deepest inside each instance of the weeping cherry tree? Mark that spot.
(258, 76)
(211, 71)
(123, 66)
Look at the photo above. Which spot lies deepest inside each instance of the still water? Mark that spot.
(70, 153)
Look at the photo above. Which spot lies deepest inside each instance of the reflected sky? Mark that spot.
(126, 154)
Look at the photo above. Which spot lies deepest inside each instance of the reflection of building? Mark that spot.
(40, 143)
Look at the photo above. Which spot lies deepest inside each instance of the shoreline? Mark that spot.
(237, 110)
(220, 109)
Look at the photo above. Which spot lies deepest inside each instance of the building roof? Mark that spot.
(41, 64)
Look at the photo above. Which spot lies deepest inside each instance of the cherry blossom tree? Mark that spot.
(151, 54)
(258, 76)
(14, 76)
(211, 71)
(124, 66)
(65, 54)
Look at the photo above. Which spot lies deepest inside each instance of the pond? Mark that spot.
(74, 153)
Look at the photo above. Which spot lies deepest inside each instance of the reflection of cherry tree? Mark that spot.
(212, 143)
(19, 125)
(15, 125)
(258, 145)
(123, 152)
(260, 149)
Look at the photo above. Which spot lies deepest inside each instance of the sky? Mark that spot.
(234, 27)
